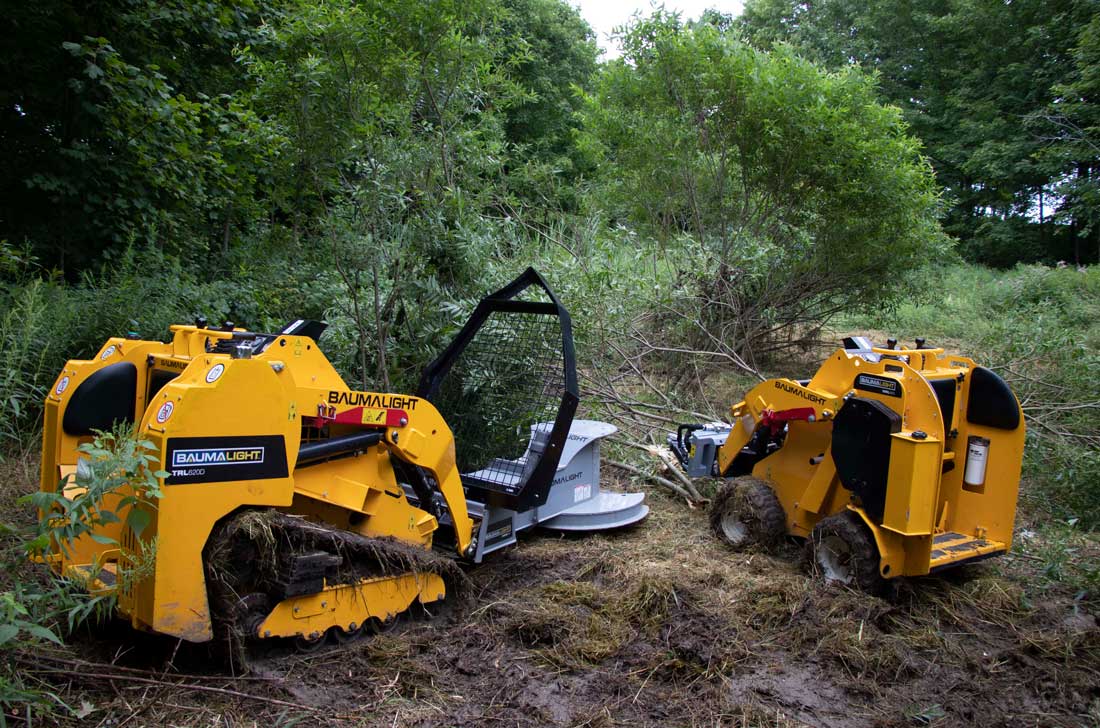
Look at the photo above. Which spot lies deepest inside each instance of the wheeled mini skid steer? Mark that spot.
(296, 507)
(889, 462)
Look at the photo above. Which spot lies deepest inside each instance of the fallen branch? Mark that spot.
(672, 467)
(1088, 439)
(83, 664)
(1061, 407)
(655, 478)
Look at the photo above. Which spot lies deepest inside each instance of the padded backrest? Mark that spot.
(105, 398)
(991, 402)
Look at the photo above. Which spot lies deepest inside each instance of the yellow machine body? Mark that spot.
(230, 431)
(925, 516)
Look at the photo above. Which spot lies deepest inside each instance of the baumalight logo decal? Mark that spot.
(882, 385)
(110, 351)
(62, 385)
(799, 392)
(218, 456)
(225, 459)
(376, 401)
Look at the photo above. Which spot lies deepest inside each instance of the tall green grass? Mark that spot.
(24, 363)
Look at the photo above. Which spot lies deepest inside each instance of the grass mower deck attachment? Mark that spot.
(889, 462)
(295, 507)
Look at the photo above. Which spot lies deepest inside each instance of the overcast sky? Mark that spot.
(605, 15)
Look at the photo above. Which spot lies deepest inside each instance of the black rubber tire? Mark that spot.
(746, 513)
(842, 550)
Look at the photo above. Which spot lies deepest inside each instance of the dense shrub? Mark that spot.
(787, 193)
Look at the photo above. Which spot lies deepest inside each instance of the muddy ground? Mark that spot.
(657, 625)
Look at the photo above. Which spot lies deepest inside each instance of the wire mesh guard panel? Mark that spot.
(501, 397)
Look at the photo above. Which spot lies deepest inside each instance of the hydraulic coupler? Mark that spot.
(696, 447)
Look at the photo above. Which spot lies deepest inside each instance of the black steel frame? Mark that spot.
(534, 492)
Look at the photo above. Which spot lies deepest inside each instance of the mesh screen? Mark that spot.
(509, 379)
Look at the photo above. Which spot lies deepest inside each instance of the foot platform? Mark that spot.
(952, 549)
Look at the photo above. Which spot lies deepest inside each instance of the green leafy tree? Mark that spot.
(974, 78)
(550, 53)
(393, 116)
(1072, 121)
(799, 192)
(118, 121)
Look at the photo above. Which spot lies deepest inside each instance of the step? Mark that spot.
(104, 581)
(952, 549)
(605, 511)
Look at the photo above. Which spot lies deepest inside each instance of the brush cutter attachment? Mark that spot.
(508, 386)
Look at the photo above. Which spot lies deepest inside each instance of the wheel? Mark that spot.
(746, 512)
(309, 642)
(343, 636)
(253, 610)
(842, 550)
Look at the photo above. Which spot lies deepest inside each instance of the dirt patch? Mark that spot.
(657, 625)
(804, 689)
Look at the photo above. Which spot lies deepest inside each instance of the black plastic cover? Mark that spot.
(107, 397)
(991, 401)
(861, 450)
(857, 343)
(305, 327)
(157, 379)
(945, 395)
(511, 367)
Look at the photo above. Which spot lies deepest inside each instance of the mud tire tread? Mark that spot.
(864, 553)
(757, 506)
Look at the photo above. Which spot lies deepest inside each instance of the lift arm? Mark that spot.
(773, 403)
(414, 432)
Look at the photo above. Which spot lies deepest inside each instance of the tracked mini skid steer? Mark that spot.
(295, 507)
(889, 462)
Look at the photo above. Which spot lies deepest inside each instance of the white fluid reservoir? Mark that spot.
(977, 456)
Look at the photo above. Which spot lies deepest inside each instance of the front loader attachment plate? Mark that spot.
(507, 385)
